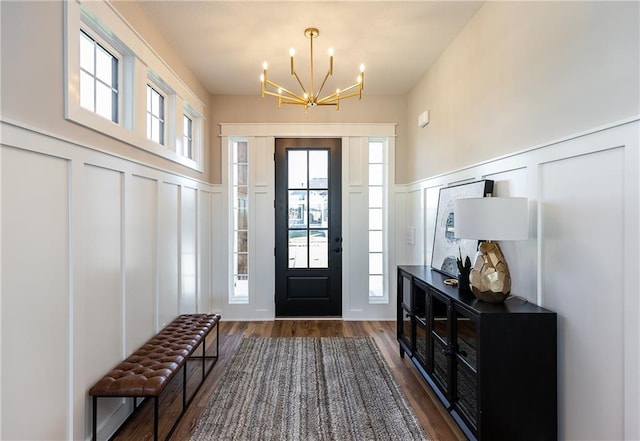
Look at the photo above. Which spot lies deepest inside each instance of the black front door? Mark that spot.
(308, 228)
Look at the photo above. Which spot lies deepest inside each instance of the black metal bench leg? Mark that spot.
(184, 386)
(155, 418)
(204, 353)
(94, 434)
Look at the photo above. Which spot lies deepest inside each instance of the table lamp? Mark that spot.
(490, 219)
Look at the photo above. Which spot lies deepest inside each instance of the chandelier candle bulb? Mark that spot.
(292, 53)
(331, 61)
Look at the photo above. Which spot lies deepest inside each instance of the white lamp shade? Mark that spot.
(491, 218)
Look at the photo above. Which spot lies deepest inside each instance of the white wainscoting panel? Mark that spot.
(261, 262)
(91, 248)
(35, 295)
(356, 296)
(220, 254)
(188, 251)
(523, 254)
(428, 223)
(102, 263)
(581, 261)
(261, 235)
(414, 232)
(141, 215)
(205, 233)
(582, 230)
(169, 255)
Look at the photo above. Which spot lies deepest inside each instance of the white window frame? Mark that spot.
(138, 64)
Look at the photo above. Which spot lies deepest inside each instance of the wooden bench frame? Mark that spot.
(100, 391)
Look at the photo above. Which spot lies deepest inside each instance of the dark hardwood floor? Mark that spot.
(433, 417)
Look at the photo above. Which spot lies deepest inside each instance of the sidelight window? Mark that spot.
(377, 216)
(239, 200)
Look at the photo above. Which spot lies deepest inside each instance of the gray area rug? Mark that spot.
(308, 388)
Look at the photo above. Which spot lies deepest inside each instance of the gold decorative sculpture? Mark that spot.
(490, 279)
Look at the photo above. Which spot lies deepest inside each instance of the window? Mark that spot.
(376, 173)
(155, 115)
(187, 137)
(239, 194)
(108, 71)
(98, 78)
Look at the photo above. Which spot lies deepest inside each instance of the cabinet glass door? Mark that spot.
(406, 290)
(406, 329)
(439, 328)
(466, 371)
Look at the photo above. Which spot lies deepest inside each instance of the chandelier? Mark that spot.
(310, 97)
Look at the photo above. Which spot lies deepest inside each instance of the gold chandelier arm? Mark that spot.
(287, 91)
(336, 96)
(295, 74)
(323, 82)
(285, 98)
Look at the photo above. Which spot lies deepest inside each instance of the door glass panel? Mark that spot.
(406, 292)
(297, 168)
(375, 174)
(407, 326)
(318, 168)
(421, 342)
(375, 152)
(375, 263)
(467, 393)
(318, 208)
(241, 174)
(375, 197)
(240, 241)
(376, 286)
(297, 209)
(440, 364)
(375, 219)
(298, 249)
(318, 249)
(308, 207)
(439, 313)
(466, 337)
(241, 217)
(375, 241)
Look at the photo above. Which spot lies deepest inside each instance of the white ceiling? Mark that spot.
(225, 42)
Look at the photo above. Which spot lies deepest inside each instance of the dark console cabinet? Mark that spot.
(493, 366)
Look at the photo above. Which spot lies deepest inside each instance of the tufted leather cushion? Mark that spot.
(147, 371)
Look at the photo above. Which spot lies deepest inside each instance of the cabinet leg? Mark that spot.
(401, 353)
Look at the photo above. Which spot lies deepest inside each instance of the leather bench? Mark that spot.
(148, 371)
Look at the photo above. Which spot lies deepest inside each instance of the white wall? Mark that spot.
(520, 74)
(581, 261)
(98, 254)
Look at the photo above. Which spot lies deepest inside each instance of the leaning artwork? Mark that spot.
(445, 245)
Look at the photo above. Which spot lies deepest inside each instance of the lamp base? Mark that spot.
(490, 278)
